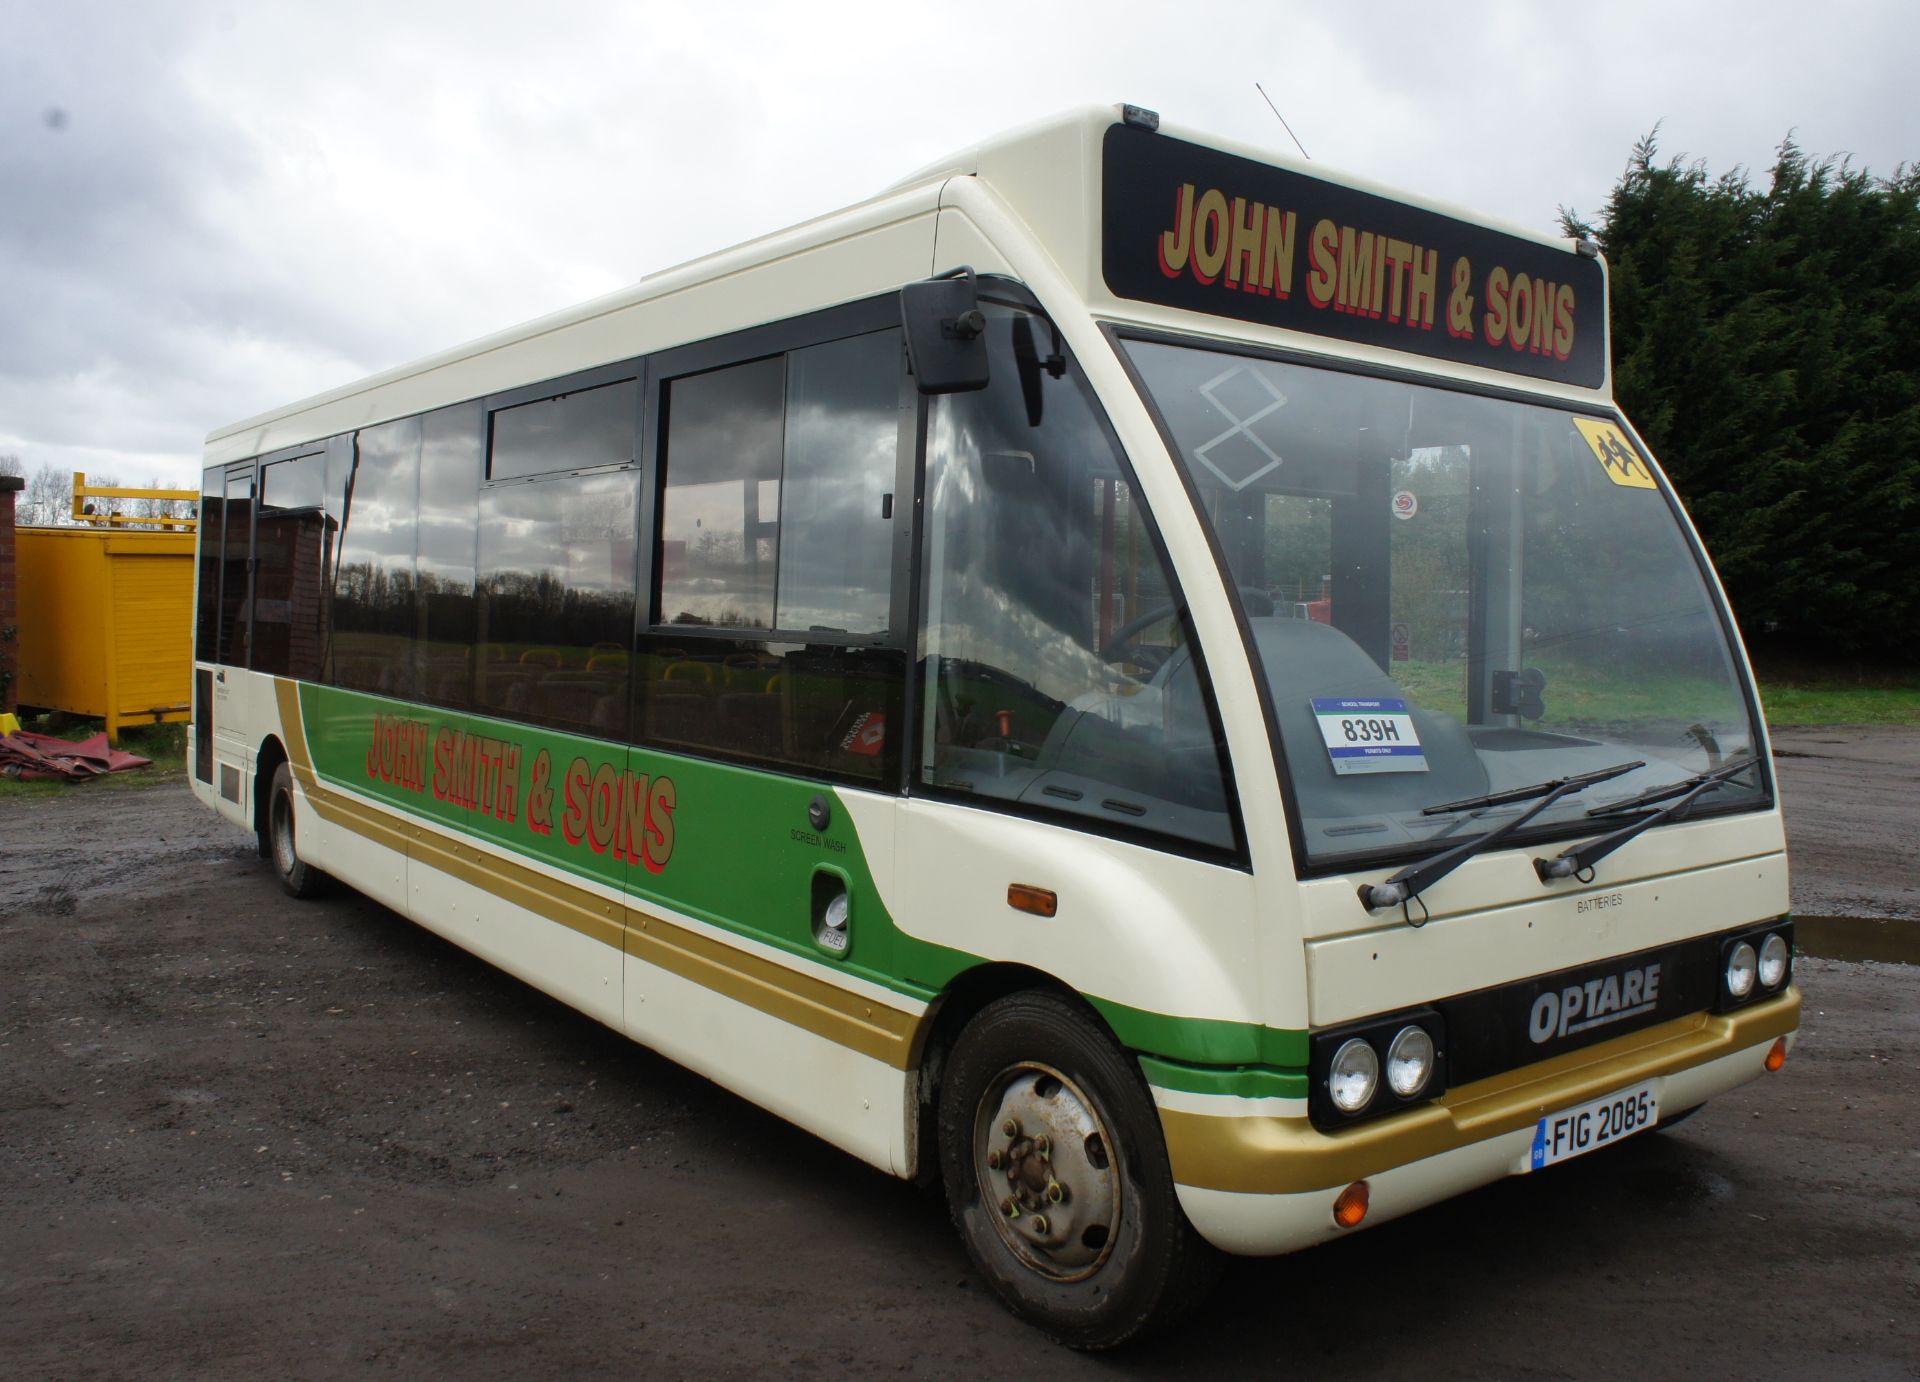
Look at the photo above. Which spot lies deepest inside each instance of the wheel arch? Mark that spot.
(965, 995)
(266, 761)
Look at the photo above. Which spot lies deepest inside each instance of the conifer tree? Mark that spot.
(1767, 345)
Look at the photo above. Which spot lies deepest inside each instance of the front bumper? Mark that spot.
(1260, 1184)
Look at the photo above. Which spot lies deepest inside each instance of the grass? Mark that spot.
(1802, 704)
(1793, 693)
(166, 745)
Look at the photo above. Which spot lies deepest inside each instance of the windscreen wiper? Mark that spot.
(1672, 789)
(1408, 884)
(1578, 861)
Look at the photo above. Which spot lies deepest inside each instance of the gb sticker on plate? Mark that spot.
(1369, 735)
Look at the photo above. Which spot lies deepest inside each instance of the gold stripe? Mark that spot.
(811, 1003)
(292, 727)
(1277, 1156)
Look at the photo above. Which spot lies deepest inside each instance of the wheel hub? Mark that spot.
(1045, 1168)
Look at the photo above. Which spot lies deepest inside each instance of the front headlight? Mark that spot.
(1773, 961)
(1741, 965)
(1352, 1077)
(1409, 1062)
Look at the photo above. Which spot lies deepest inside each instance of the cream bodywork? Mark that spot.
(1152, 930)
(1264, 1225)
(848, 1098)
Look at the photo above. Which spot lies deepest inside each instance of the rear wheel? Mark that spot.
(1057, 1176)
(298, 877)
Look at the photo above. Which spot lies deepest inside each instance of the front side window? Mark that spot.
(1059, 676)
(777, 507)
(771, 642)
(1450, 596)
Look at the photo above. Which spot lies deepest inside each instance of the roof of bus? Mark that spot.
(1086, 126)
(1047, 172)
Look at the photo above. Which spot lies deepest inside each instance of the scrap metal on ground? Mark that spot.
(32, 757)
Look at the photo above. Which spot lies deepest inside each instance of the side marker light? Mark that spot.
(1041, 902)
(1777, 1057)
(1351, 1205)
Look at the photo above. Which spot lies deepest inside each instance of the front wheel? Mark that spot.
(298, 877)
(1057, 1176)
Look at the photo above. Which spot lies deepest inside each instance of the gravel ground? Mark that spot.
(1852, 798)
(243, 1136)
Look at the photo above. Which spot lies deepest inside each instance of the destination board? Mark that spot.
(1204, 231)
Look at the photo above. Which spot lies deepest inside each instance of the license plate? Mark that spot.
(1575, 1131)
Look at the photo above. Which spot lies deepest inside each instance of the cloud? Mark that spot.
(238, 205)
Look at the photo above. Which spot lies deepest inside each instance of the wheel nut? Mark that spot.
(1011, 1127)
(1009, 1208)
(994, 1161)
(1054, 1193)
(1043, 1145)
(1039, 1223)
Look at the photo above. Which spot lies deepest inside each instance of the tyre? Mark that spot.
(298, 877)
(1057, 1177)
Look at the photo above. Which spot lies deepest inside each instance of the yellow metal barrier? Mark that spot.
(97, 514)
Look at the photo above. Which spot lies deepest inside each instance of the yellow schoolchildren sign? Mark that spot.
(1615, 454)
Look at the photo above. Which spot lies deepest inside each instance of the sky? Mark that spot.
(208, 210)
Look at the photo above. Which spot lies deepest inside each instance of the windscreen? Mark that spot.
(1451, 596)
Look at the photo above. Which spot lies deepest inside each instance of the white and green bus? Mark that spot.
(1141, 679)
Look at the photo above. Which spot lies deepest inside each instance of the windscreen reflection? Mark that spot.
(1450, 595)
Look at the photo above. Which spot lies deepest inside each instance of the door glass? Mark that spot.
(235, 548)
(1060, 677)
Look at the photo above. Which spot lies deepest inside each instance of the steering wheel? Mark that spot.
(1120, 647)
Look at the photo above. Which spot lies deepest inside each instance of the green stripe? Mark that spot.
(1242, 1082)
(742, 858)
(1203, 1040)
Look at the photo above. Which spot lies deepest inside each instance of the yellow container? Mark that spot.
(106, 623)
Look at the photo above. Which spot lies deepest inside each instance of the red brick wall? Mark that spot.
(10, 487)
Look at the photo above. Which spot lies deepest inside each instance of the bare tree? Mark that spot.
(100, 507)
(49, 496)
(10, 465)
(158, 510)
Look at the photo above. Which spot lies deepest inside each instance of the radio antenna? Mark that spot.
(1283, 122)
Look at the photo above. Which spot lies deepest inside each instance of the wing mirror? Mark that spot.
(946, 333)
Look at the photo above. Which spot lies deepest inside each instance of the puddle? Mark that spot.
(1895, 941)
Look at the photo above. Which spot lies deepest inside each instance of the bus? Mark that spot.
(1142, 680)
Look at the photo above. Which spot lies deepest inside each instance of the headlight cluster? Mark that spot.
(1376, 1067)
(1754, 966)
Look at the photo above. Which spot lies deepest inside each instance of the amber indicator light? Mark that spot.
(1351, 1206)
(1777, 1057)
(1024, 897)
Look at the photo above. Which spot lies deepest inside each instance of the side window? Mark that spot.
(1058, 673)
(373, 614)
(213, 526)
(557, 561)
(444, 546)
(555, 613)
(720, 512)
(291, 546)
(771, 636)
(581, 430)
